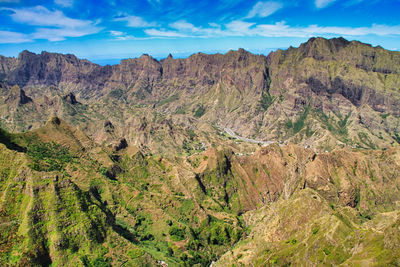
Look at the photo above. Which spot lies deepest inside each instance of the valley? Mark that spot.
(235, 159)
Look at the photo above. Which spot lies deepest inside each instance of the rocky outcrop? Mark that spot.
(108, 127)
(254, 95)
(70, 98)
(15, 95)
(48, 69)
(121, 144)
(140, 73)
(6, 65)
(239, 69)
(23, 98)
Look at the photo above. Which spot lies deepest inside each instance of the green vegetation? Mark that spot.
(266, 100)
(191, 134)
(337, 127)
(299, 124)
(142, 228)
(177, 234)
(9, 141)
(190, 147)
(117, 93)
(48, 156)
(135, 253)
(396, 137)
(180, 110)
(366, 140)
(168, 100)
(342, 123)
(199, 111)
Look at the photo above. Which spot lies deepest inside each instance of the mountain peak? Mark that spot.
(336, 41)
(25, 55)
(321, 48)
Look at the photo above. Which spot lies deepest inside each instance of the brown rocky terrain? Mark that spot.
(153, 162)
(322, 94)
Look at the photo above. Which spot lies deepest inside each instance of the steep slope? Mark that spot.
(305, 230)
(67, 200)
(348, 83)
(323, 94)
(47, 69)
(46, 216)
(154, 162)
(75, 202)
(343, 208)
(6, 65)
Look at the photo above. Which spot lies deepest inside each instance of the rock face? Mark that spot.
(70, 98)
(23, 98)
(353, 68)
(6, 64)
(47, 69)
(121, 144)
(54, 69)
(313, 94)
(15, 94)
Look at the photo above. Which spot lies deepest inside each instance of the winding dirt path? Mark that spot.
(233, 134)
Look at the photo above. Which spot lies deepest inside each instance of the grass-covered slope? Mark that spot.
(46, 218)
(67, 201)
(306, 230)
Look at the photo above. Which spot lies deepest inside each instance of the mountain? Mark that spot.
(236, 158)
(323, 94)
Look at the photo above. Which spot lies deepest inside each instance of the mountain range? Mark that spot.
(226, 159)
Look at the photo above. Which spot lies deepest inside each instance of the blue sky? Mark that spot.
(106, 31)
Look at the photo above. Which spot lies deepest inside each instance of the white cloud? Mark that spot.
(7, 37)
(54, 25)
(182, 25)
(164, 33)
(122, 36)
(183, 28)
(41, 16)
(323, 3)
(125, 37)
(264, 9)
(279, 29)
(136, 22)
(214, 25)
(64, 3)
(116, 33)
(375, 29)
(238, 26)
(59, 34)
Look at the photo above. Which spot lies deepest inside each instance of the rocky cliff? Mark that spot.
(323, 93)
